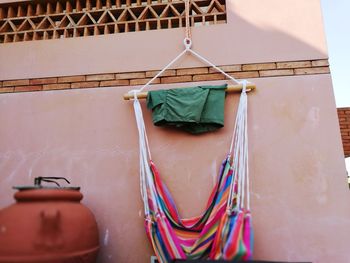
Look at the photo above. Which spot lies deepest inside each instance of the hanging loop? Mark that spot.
(187, 43)
(244, 85)
(134, 93)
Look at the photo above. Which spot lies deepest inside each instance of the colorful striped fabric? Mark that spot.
(224, 230)
(215, 234)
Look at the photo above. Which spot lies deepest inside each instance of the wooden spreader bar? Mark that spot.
(229, 89)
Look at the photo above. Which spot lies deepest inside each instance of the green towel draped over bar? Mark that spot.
(196, 110)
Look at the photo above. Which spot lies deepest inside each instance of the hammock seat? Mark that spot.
(198, 237)
(223, 230)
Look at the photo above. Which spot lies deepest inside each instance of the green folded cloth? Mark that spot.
(195, 110)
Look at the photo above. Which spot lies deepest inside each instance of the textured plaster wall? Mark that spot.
(299, 192)
(256, 31)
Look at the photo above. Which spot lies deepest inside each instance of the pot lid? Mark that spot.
(53, 180)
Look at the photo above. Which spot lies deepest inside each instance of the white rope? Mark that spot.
(188, 43)
(188, 49)
(141, 123)
(143, 186)
(214, 66)
(146, 180)
(188, 32)
(239, 114)
(239, 151)
(164, 69)
(246, 146)
(239, 141)
(242, 160)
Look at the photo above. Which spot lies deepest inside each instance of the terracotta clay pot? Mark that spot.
(48, 225)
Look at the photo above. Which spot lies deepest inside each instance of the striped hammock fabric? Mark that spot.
(200, 237)
(224, 230)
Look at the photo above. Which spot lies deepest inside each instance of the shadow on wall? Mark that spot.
(271, 43)
(63, 133)
(126, 52)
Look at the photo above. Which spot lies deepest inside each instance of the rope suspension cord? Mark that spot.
(236, 143)
(239, 152)
(225, 225)
(188, 32)
(188, 44)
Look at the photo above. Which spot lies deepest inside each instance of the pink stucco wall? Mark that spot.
(299, 192)
(255, 32)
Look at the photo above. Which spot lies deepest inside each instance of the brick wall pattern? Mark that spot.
(41, 20)
(344, 123)
(239, 71)
(251, 71)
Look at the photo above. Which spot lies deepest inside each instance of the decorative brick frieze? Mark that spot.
(320, 63)
(57, 86)
(176, 79)
(344, 123)
(245, 74)
(20, 82)
(7, 89)
(167, 73)
(86, 84)
(131, 75)
(28, 88)
(292, 65)
(71, 79)
(276, 72)
(135, 82)
(208, 77)
(56, 19)
(228, 69)
(260, 66)
(191, 71)
(316, 70)
(43, 81)
(100, 77)
(239, 71)
(118, 82)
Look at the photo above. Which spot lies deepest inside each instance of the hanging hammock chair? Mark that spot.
(223, 230)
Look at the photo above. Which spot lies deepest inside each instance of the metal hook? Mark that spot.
(187, 43)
